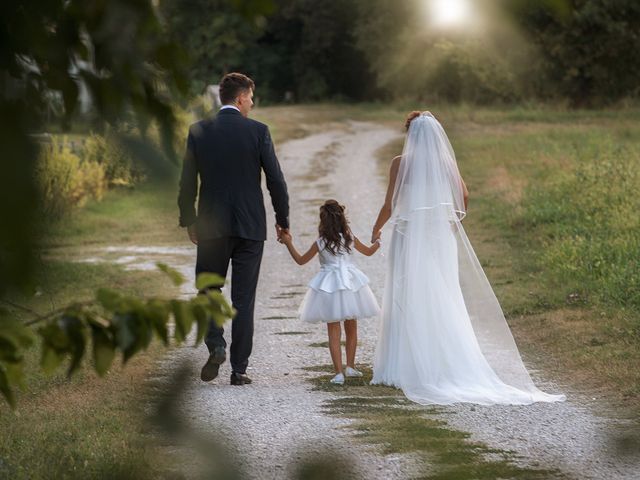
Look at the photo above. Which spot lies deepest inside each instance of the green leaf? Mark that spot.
(183, 319)
(135, 333)
(209, 280)
(9, 352)
(158, 312)
(15, 373)
(219, 307)
(5, 388)
(125, 339)
(142, 327)
(176, 277)
(75, 330)
(109, 299)
(16, 333)
(50, 360)
(53, 335)
(104, 350)
(55, 344)
(202, 321)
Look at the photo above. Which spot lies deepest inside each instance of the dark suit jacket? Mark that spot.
(228, 153)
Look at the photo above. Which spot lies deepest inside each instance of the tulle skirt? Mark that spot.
(320, 306)
(427, 344)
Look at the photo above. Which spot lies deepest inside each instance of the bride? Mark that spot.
(443, 338)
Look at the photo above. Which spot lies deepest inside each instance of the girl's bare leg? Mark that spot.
(351, 332)
(334, 331)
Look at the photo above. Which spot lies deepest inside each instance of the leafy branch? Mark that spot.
(111, 323)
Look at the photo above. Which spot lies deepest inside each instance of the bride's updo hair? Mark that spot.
(410, 118)
(333, 223)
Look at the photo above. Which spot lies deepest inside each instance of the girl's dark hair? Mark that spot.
(333, 222)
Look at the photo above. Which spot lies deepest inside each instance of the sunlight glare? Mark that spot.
(450, 13)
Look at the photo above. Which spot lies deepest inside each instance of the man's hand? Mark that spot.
(280, 231)
(193, 236)
(376, 236)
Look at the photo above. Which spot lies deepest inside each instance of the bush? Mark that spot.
(467, 73)
(66, 181)
(118, 165)
(184, 119)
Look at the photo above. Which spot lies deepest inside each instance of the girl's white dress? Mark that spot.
(339, 291)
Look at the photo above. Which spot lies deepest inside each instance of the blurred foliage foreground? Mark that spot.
(54, 53)
(116, 52)
(55, 56)
(113, 322)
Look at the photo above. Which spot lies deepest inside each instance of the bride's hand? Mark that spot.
(376, 236)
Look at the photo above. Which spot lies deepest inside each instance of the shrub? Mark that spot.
(116, 162)
(65, 180)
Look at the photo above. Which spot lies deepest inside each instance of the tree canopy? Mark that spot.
(582, 51)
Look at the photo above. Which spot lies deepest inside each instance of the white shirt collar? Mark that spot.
(229, 106)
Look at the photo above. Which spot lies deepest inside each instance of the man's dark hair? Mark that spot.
(232, 84)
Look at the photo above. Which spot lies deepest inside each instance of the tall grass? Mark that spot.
(117, 163)
(66, 180)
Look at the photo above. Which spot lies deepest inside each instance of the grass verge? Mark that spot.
(381, 416)
(138, 215)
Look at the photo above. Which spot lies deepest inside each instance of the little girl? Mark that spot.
(340, 291)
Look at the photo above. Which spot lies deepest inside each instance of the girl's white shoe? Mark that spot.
(338, 379)
(352, 372)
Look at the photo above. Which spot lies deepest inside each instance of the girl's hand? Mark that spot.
(286, 238)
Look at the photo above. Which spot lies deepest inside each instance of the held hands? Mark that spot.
(282, 233)
(286, 238)
(375, 236)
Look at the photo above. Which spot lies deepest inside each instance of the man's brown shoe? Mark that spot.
(210, 369)
(240, 379)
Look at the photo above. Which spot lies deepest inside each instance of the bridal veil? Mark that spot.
(443, 337)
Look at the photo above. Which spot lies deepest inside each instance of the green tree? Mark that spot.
(591, 48)
(325, 61)
(214, 34)
(306, 47)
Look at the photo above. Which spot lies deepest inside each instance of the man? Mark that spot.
(228, 153)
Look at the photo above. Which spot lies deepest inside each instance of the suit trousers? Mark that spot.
(245, 256)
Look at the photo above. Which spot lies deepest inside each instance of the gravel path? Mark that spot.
(271, 422)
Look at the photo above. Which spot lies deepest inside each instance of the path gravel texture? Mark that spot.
(278, 418)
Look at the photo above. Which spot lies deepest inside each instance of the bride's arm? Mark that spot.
(385, 211)
(465, 193)
(363, 249)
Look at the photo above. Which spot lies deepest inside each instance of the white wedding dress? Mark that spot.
(443, 337)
